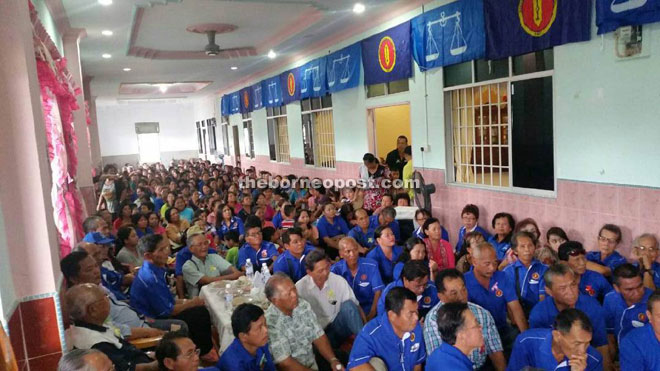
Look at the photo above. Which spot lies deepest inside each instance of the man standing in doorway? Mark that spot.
(396, 159)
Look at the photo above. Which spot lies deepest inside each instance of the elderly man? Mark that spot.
(461, 335)
(205, 268)
(386, 217)
(89, 308)
(645, 249)
(362, 232)
(393, 338)
(414, 277)
(362, 275)
(84, 359)
(176, 352)
(562, 287)
(293, 328)
(526, 273)
(564, 347)
(451, 289)
(639, 350)
(331, 298)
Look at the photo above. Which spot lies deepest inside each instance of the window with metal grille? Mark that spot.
(278, 134)
(224, 121)
(318, 132)
(500, 123)
(248, 143)
(200, 146)
(213, 144)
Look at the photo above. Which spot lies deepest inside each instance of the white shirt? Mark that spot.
(326, 303)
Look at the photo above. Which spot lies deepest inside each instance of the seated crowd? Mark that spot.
(352, 287)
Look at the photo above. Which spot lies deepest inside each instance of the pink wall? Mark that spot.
(580, 208)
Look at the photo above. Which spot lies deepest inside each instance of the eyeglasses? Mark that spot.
(646, 248)
(192, 353)
(610, 241)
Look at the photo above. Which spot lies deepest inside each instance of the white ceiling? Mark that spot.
(262, 24)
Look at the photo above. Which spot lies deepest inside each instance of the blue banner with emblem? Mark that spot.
(290, 82)
(257, 96)
(343, 68)
(515, 27)
(453, 33)
(234, 102)
(313, 79)
(612, 14)
(224, 105)
(271, 90)
(386, 56)
(246, 100)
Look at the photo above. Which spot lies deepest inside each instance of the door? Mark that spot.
(237, 146)
(149, 148)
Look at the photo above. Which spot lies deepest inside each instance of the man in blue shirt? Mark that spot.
(414, 277)
(639, 350)
(332, 228)
(249, 350)
(394, 337)
(256, 249)
(386, 217)
(625, 309)
(609, 237)
(362, 233)
(176, 352)
(490, 289)
(362, 275)
(461, 334)
(526, 273)
(645, 248)
(151, 296)
(591, 283)
(386, 253)
(291, 262)
(562, 287)
(565, 347)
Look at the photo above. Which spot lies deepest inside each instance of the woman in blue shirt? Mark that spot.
(503, 224)
(141, 224)
(228, 222)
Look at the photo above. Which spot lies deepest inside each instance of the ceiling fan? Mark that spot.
(211, 49)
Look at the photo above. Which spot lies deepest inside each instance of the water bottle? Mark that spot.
(265, 273)
(229, 297)
(249, 270)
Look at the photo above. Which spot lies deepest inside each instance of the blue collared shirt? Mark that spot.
(500, 247)
(394, 226)
(385, 266)
(266, 254)
(500, 292)
(337, 227)
(530, 280)
(533, 348)
(146, 232)
(448, 357)
(595, 285)
(237, 358)
(377, 339)
(277, 220)
(419, 233)
(291, 266)
(425, 302)
(182, 257)
(364, 239)
(112, 280)
(544, 313)
(621, 318)
(612, 261)
(639, 350)
(151, 295)
(235, 224)
(463, 231)
(365, 284)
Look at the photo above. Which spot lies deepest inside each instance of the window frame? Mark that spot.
(387, 89)
(313, 113)
(449, 145)
(224, 123)
(276, 116)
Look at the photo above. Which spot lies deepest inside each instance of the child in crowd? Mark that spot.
(231, 245)
(288, 216)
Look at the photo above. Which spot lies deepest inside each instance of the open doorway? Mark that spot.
(148, 143)
(385, 125)
(237, 147)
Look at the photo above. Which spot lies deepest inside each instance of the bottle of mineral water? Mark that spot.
(265, 273)
(229, 297)
(249, 270)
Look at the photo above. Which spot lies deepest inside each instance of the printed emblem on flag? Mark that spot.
(387, 54)
(642, 317)
(291, 84)
(363, 277)
(498, 293)
(537, 16)
(246, 99)
(535, 276)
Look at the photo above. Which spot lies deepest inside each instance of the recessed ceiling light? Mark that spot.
(163, 88)
(358, 8)
(106, 56)
(234, 68)
(272, 54)
(105, 2)
(106, 33)
(127, 69)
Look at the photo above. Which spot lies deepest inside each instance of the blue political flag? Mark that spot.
(386, 56)
(234, 103)
(271, 90)
(515, 27)
(343, 68)
(612, 14)
(246, 100)
(257, 96)
(290, 82)
(224, 105)
(313, 79)
(451, 34)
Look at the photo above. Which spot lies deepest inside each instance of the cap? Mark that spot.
(195, 229)
(97, 238)
(570, 248)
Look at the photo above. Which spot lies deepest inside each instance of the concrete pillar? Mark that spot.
(93, 128)
(84, 177)
(27, 212)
